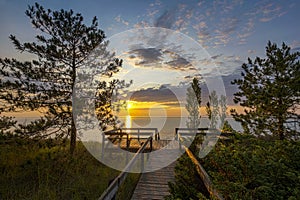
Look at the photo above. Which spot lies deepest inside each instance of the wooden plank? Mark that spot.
(154, 185)
(112, 189)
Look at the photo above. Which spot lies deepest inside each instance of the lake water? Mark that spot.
(166, 125)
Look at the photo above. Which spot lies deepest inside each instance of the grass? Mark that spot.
(31, 171)
(127, 187)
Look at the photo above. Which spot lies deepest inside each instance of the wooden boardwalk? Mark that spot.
(158, 168)
(154, 184)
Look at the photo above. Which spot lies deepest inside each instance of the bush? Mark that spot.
(251, 168)
(245, 168)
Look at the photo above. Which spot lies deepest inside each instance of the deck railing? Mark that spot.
(112, 189)
(201, 171)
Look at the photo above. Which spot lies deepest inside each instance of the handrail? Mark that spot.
(196, 129)
(204, 176)
(112, 189)
(123, 131)
(201, 171)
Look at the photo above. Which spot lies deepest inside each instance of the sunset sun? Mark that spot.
(129, 105)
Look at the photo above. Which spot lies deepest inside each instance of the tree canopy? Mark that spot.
(269, 92)
(64, 44)
(193, 103)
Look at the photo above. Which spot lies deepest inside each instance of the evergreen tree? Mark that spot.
(216, 110)
(193, 104)
(269, 91)
(64, 44)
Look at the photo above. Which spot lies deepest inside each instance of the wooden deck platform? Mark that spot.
(135, 144)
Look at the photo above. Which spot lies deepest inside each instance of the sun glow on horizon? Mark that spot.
(129, 105)
(128, 121)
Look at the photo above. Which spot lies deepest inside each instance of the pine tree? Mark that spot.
(212, 109)
(193, 104)
(64, 44)
(269, 91)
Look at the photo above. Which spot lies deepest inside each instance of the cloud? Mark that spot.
(226, 64)
(159, 58)
(162, 94)
(120, 20)
(216, 56)
(173, 95)
(296, 49)
(142, 24)
(230, 25)
(177, 18)
(204, 36)
(179, 63)
(250, 51)
(146, 56)
(166, 20)
(295, 45)
(166, 93)
(226, 31)
(189, 78)
(266, 11)
(217, 23)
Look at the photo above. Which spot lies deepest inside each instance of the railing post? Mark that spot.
(142, 161)
(127, 142)
(103, 144)
(179, 141)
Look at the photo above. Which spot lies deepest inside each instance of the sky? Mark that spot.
(227, 32)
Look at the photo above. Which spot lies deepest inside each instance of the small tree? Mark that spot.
(64, 45)
(269, 91)
(216, 110)
(193, 104)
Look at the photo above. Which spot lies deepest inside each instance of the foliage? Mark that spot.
(64, 47)
(106, 102)
(127, 188)
(32, 170)
(227, 127)
(193, 104)
(251, 168)
(269, 91)
(216, 110)
(6, 123)
(188, 184)
(244, 168)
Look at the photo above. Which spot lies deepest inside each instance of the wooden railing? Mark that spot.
(201, 171)
(138, 133)
(112, 189)
(204, 176)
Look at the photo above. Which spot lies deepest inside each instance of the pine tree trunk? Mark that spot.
(73, 138)
(280, 121)
(281, 129)
(73, 128)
